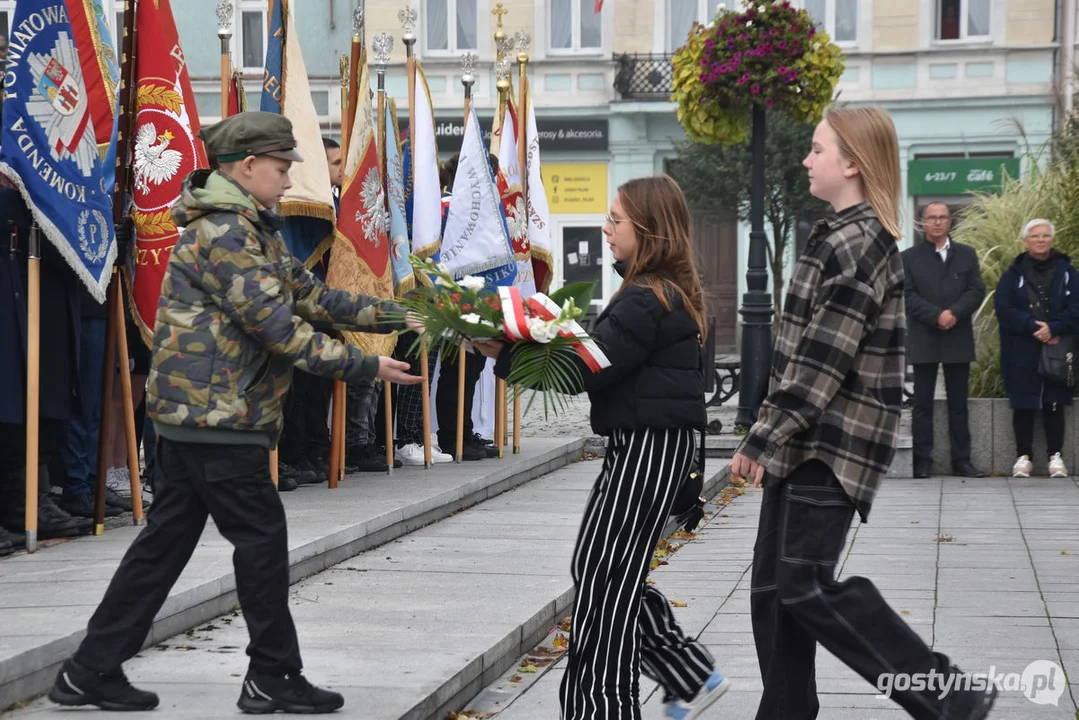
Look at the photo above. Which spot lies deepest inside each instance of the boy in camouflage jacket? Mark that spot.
(232, 322)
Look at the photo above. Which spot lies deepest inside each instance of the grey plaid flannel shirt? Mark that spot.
(837, 365)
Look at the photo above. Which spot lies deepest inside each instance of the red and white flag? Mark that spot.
(360, 260)
(165, 149)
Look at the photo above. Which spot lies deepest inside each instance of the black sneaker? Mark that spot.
(368, 458)
(82, 505)
(116, 500)
(285, 484)
(6, 545)
(76, 685)
(310, 473)
(264, 694)
(302, 477)
(488, 446)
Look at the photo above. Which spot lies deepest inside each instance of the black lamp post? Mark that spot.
(756, 311)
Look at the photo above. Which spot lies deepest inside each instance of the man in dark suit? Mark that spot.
(944, 289)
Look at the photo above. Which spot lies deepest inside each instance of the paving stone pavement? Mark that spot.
(986, 571)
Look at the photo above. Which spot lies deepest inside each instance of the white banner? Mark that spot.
(426, 188)
(476, 238)
(539, 214)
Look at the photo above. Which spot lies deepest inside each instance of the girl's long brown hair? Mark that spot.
(663, 261)
(867, 138)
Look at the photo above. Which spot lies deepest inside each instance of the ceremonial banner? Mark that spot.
(165, 151)
(426, 190)
(476, 240)
(286, 91)
(101, 73)
(403, 277)
(237, 96)
(360, 260)
(513, 202)
(539, 214)
(48, 147)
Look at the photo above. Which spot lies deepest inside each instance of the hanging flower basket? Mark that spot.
(769, 54)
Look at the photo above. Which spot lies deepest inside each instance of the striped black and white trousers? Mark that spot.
(621, 625)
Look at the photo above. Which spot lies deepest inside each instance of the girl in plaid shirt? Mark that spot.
(825, 437)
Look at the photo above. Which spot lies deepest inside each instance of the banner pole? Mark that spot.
(33, 383)
(337, 417)
(382, 45)
(468, 78)
(522, 40)
(408, 17)
(224, 32)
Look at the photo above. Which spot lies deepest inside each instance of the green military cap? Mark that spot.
(251, 133)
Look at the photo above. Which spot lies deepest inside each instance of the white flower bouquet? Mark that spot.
(548, 344)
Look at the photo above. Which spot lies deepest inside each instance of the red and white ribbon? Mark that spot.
(515, 324)
(514, 321)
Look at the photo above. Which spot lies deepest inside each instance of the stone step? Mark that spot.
(47, 598)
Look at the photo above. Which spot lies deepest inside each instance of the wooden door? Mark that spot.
(715, 239)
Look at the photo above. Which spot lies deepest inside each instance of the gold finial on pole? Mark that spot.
(500, 33)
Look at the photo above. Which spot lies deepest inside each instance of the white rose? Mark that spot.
(762, 7)
(471, 282)
(749, 23)
(472, 319)
(541, 330)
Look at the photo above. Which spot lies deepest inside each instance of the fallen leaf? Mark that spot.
(904, 612)
(678, 603)
(515, 678)
(945, 538)
(567, 623)
(561, 642)
(528, 669)
(1065, 552)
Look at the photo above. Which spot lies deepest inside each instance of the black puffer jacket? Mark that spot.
(655, 377)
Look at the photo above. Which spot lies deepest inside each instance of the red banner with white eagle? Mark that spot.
(360, 260)
(165, 150)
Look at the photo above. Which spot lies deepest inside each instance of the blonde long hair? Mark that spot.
(664, 260)
(867, 138)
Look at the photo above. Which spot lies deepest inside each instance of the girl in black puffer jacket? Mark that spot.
(647, 405)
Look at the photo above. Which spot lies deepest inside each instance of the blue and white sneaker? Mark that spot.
(713, 689)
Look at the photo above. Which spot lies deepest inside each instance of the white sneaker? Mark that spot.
(1022, 467)
(1057, 468)
(119, 481)
(412, 454)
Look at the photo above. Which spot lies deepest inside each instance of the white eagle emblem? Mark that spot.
(373, 214)
(154, 161)
(517, 222)
(60, 104)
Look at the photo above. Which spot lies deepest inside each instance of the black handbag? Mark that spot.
(1057, 362)
(688, 507)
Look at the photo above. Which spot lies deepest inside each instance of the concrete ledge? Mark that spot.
(992, 437)
(47, 598)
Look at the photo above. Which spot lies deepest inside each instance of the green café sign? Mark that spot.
(955, 176)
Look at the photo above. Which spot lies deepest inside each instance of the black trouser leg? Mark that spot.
(1023, 426)
(150, 567)
(246, 507)
(446, 398)
(316, 415)
(957, 387)
(1053, 417)
(803, 528)
(925, 383)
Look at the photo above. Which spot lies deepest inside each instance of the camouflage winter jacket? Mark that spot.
(232, 321)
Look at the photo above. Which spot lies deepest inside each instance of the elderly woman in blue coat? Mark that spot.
(1023, 331)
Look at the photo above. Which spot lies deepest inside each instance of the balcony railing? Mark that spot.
(643, 76)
